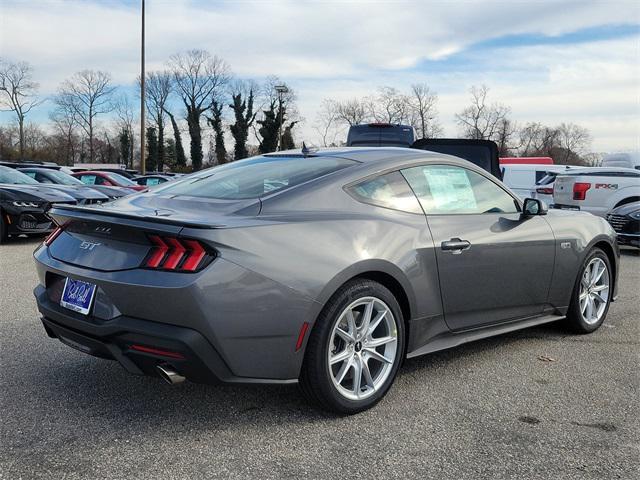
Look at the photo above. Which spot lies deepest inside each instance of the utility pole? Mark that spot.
(143, 166)
(281, 89)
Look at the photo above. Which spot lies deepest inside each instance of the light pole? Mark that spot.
(281, 89)
(143, 166)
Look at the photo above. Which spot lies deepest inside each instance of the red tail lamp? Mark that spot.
(175, 254)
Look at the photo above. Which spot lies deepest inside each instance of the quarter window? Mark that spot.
(388, 191)
(447, 190)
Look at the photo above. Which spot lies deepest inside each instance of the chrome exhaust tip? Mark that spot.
(169, 375)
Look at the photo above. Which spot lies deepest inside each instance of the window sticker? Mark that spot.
(450, 189)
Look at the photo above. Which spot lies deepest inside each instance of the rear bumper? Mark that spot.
(191, 354)
(249, 322)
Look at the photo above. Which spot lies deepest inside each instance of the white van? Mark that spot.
(522, 179)
(626, 160)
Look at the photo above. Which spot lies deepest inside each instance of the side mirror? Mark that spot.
(533, 206)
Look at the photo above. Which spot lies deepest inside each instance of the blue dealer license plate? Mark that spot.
(77, 295)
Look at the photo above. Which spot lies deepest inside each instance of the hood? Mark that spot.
(34, 193)
(626, 209)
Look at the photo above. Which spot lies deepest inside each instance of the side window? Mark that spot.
(389, 191)
(152, 181)
(88, 179)
(448, 190)
(31, 174)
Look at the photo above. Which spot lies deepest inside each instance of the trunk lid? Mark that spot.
(118, 235)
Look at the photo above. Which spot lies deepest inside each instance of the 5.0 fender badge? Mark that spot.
(565, 245)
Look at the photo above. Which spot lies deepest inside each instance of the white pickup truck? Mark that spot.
(597, 190)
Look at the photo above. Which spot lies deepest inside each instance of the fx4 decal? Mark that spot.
(607, 186)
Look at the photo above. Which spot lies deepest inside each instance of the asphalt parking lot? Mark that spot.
(539, 403)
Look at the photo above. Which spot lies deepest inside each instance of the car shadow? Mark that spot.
(94, 387)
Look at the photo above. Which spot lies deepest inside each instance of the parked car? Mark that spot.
(84, 195)
(522, 179)
(326, 268)
(152, 180)
(58, 177)
(623, 159)
(625, 220)
(24, 204)
(109, 179)
(597, 190)
(381, 135)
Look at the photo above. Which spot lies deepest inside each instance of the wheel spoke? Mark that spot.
(346, 336)
(343, 370)
(376, 342)
(590, 306)
(366, 318)
(357, 376)
(377, 356)
(374, 324)
(599, 298)
(599, 288)
(351, 323)
(367, 375)
(340, 357)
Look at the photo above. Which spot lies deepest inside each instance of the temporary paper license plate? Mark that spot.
(77, 295)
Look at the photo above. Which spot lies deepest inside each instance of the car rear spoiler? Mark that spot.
(483, 153)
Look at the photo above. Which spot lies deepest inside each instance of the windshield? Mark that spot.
(62, 178)
(9, 175)
(254, 177)
(116, 177)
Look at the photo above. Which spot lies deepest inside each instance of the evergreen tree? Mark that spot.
(240, 130)
(125, 146)
(181, 160)
(170, 153)
(287, 137)
(216, 124)
(268, 130)
(152, 149)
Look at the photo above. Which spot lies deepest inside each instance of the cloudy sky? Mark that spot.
(551, 61)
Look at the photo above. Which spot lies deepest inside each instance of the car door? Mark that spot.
(494, 264)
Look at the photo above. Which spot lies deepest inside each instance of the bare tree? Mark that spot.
(423, 101)
(481, 120)
(574, 139)
(537, 139)
(88, 94)
(158, 88)
(389, 106)
(65, 124)
(126, 120)
(328, 125)
(352, 112)
(20, 92)
(199, 78)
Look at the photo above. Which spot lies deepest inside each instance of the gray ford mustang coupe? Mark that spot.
(325, 268)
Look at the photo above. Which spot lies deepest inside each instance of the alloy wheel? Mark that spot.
(362, 349)
(594, 291)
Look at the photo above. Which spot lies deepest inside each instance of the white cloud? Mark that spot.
(349, 48)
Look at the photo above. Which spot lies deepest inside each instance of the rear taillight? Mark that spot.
(52, 236)
(545, 190)
(176, 254)
(580, 190)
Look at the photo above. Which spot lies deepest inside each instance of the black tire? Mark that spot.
(575, 318)
(316, 380)
(4, 235)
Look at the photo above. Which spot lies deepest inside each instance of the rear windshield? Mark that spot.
(254, 177)
(550, 177)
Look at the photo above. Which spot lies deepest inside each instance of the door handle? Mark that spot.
(455, 245)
